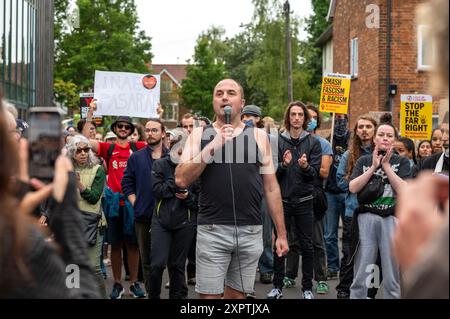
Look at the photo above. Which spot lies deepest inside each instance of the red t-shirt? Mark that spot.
(117, 162)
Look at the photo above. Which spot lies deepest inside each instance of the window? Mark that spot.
(354, 61)
(166, 86)
(425, 48)
(171, 112)
(435, 121)
(328, 58)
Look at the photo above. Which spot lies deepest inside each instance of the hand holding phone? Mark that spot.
(44, 142)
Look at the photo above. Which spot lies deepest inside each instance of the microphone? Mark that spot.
(228, 109)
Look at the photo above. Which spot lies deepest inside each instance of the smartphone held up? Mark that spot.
(44, 142)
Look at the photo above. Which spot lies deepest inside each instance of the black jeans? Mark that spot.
(144, 240)
(320, 254)
(293, 256)
(301, 216)
(190, 269)
(346, 271)
(169, 248)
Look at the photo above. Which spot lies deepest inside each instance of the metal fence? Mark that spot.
(27, 52)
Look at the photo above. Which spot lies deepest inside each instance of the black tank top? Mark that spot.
(216, 200)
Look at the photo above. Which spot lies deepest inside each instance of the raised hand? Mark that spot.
(376, 159)
(303, 161)
(287, 158)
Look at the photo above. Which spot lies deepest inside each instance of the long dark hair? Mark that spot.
(287, 122)
(12, 222)
(355, 151)
(409, 144)
(419, 157)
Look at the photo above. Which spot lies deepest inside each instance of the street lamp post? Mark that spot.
(287, 12)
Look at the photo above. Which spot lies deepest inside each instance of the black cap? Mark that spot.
(252, 110)
(125, 119)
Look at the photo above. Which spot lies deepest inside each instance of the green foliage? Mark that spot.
(67, 94)
(107, 39)
(256, 58)
(241, 53)
(202, 76)
(316, 25)
(61, 16)
(268, 69)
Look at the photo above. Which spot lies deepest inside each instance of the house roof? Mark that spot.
(331, 10)
(326, 36)
(175, 71)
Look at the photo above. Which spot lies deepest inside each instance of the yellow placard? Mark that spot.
(416, 116)
(335, 94)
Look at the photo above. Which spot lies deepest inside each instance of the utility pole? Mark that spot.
(287, 12)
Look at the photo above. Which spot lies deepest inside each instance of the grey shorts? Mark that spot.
(217, 259)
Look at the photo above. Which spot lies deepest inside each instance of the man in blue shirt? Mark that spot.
(137, 186)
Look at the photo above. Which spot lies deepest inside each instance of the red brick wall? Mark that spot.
(350, 22)
(404, 71)
(369, 91)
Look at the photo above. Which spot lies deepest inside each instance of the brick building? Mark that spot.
(381, 44)
(172, 75)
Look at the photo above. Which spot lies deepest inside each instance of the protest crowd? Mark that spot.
(216, 203)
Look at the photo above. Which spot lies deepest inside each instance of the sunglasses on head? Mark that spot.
(85, 150)
(124, 126)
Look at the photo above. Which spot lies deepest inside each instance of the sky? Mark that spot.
(174, 25)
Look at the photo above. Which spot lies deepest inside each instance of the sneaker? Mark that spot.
(117, 291)
(250, 295)
(332, 274)
(322, 288)
(308, 294)
(275, 293)
(167, 286)
(341, 294)
(136, 291)
(191, 281)
(288, 282)
(266, 278)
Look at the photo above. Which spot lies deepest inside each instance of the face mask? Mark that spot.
(249, 123)
(312, 125)
(340, 127)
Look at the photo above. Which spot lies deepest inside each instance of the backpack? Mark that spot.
(133, 148)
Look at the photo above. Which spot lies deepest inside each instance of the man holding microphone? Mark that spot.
(229, 234)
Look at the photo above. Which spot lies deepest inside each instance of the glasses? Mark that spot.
(151, 130)
(85, 150)
(124, 126)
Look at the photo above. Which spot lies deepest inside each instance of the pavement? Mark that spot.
(261, 290)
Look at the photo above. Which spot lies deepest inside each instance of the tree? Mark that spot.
(202, 76)
(61, 17)
(241, 53)
(268, 70)
(316, 25)
(107, 39)
(67, 94)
